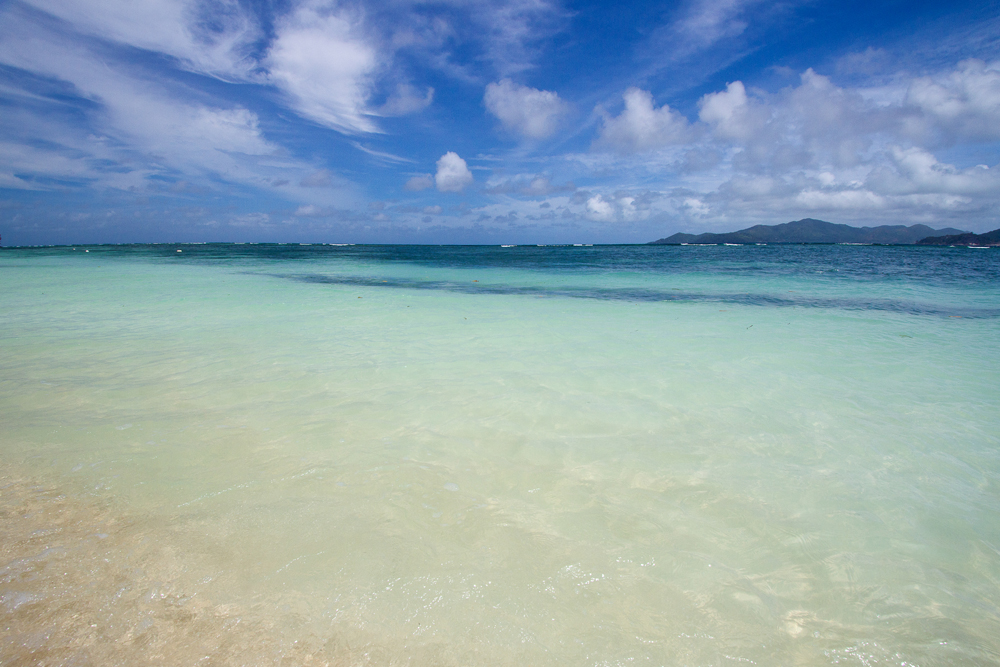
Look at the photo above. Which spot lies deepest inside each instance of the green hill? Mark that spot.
(987, 239)
(809, 230)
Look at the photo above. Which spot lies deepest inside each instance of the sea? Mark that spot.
(269, 454)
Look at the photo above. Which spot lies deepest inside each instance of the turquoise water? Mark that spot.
(246, 454)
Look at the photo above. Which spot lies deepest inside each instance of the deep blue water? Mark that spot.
(847, 277)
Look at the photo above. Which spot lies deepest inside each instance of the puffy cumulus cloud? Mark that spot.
(634, 207)
(818, 124)
(641, 126)
(730, 113)
(817, 146)
(600, 209)
(820, 149)
(453, 174)
(321, 62)
(834, 119)
(694, 207)
(959, 105)
(419, 182)
(620, 206)
(526, 111)
(810, 125)
(916, 171)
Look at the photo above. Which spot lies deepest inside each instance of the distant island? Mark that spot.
(968, 238)
(809, 230)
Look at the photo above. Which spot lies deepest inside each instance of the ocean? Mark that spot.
(231, 454)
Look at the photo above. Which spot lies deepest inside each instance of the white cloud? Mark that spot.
(262, 220)
(960, 105)
(420, 182)
(320, 57)
(700, 25)
(453, 174)
(134, 129)
(730, 113)
(853, 200)
(915, 170)
(512, 28)
(140, 114)
(695, 207)
(629, 208)
(622, 206)
(212, 38)
(819, 149)
(708, 21)
(599, 209)
(531, 185)
(526, 111)
(542, 185)
(29, 167)
(406, 100)
(819, 125)
(509, 30)
(641, 126)
(324, 67)
(321, 178)
(309, 211)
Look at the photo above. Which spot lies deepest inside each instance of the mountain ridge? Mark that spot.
(968, 238)
(810, 230)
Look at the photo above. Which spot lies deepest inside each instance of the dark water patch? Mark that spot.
(646, 295)
(840, 263)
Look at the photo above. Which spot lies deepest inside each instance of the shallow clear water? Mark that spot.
(477, 455)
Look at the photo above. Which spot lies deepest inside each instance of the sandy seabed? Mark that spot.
(83, 584)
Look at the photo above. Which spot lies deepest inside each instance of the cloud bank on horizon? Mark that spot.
(491, 121)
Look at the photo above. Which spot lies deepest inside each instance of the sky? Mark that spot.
(491, 121)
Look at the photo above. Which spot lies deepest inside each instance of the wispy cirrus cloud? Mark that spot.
(324, 66)
(121, 129)
(211, 38)
(504, 37)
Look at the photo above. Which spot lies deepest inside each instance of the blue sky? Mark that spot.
(483, 121)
